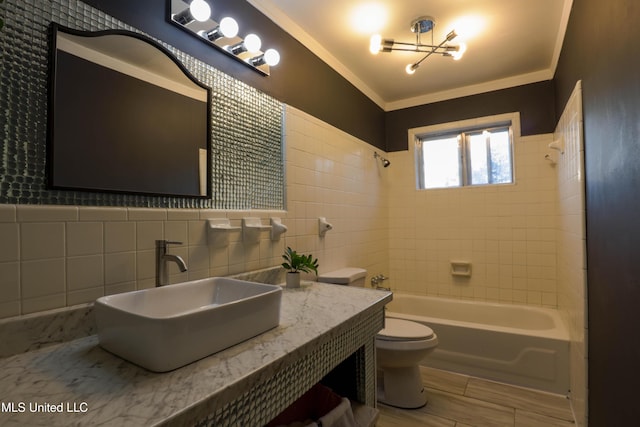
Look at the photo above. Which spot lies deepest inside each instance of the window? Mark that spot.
(461, 158)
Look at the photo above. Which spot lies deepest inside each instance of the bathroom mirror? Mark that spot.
(125, 116)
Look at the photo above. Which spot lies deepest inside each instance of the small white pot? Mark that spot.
(293, 280)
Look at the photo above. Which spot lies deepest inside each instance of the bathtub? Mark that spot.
(521, 345)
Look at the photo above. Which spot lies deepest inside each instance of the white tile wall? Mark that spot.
(334, 175)
(10, 248)
(84, 238)
(55, 256)
(572, 277)
(42, 240)
(507, 232)
(119, 236)
(10, 285)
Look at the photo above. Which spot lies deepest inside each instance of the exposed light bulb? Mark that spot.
(411, 68)
(469, 27)
(252, 43)
(200, 10)
(368, 18)
(375, 44)
(271, 57)
(457, 55)
(229, 27)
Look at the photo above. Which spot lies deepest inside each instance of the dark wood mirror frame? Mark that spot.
(109, 131)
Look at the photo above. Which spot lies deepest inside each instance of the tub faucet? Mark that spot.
(376, 281)
(162, 258)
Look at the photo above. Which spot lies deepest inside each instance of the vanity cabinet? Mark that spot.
(325, 332)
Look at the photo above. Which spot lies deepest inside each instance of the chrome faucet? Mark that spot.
(376, 281)
(162, 257)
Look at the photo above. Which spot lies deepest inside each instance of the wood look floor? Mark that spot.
(457, 400)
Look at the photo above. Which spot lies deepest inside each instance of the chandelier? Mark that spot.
(422, 25)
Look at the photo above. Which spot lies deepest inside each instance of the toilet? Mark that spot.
(400, 347)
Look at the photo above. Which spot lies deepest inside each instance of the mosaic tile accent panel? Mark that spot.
(247, 153)
(262, 403)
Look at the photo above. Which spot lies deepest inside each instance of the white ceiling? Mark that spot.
(516, 42)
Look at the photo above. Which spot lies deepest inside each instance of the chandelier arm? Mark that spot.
(430, 46)
(430, 53)
(423, 58)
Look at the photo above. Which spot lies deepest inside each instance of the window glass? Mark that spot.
(477, 157)
(478, 162)
(441, 162)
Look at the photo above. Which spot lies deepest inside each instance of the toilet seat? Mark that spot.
(404, 330)
(405, 335)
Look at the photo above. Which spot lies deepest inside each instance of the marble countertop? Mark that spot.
(79, 383)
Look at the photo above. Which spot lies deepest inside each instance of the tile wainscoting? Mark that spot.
(57, 256)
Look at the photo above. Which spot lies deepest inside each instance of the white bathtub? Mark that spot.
(522, 345)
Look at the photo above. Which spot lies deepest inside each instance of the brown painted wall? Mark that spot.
(534, 101)
(301, 79)
(601, 48)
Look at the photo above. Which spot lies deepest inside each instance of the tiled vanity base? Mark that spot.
(267, 399)
(248, 384)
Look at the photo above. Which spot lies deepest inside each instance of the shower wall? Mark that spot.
(526, 241)
(507, 232)
(572, 268)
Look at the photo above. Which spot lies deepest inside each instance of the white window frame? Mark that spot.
(462, 126)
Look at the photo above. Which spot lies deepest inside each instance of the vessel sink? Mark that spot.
(164, 328)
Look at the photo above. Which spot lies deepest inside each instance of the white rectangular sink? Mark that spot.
(164, 328)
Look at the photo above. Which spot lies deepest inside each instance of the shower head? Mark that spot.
(385, 162)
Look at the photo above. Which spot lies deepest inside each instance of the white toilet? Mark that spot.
(400, 347)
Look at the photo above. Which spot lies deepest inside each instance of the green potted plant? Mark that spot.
(296, 263)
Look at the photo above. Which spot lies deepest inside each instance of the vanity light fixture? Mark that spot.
(194, 16)
(198, 10)
(228, 28)
(251, 44)
(271, 57)
(420, 26)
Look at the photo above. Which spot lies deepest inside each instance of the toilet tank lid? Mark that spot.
(343, 276)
